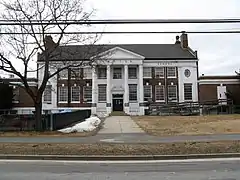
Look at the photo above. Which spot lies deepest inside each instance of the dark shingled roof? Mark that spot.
(149, 51)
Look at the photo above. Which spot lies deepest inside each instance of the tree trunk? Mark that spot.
(38, 116)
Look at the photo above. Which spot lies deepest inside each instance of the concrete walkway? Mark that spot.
(120, 124)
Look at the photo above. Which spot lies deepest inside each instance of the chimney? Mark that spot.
(184, 40)
(49, 43)
(177, 40)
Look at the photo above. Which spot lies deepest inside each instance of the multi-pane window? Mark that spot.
(63, 94)
(87, 73)
(16, 94)
(87, 93)
(132, 73)
(132, 92)
(147, 72)
(172, 92)
(147, 92)
(75, 73)
(117, 73)
(159, 72)
(63, 74)
(159, 93)
(102, 93)
(102, 73)
(75, 93)
(171, 72)
(47, 96)
(187, 91)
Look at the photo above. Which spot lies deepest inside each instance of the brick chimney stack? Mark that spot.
(49, 43)
(184, 40)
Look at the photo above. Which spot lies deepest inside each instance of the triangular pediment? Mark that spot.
(120, 53)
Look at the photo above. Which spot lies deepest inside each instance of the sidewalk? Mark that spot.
(120, 124)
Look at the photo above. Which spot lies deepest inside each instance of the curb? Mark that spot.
(117, 158)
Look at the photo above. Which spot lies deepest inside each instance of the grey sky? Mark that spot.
(219, 54)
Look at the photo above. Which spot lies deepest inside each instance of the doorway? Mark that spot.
(117, 102)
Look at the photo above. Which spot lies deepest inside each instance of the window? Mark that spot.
(102, 73)
(132, 92)
(75, 73)
(117, 73)
(187, 73)
(171, 72)
(16, 94)
(63, 94)
(75, 94)
(172, 92)
(132, 73)
(159, 93)
(147, 72)
(159, 72)
(187, 91)
(47, 96)
(87, 92)
(87, 73)
(63, 74)
(102, 92)
(147, 92)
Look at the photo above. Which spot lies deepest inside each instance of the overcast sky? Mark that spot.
(218, 54)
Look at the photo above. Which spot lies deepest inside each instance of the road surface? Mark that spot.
(221, 169)
(121, 138)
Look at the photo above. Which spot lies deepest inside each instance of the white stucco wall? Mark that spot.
(183, 79)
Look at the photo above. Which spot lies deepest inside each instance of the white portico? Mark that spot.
(124, 73)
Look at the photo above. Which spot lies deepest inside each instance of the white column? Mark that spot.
(126, 94)
(109, 104)
(94, 91)
(141, 94)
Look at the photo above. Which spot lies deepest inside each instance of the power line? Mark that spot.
(129, 32)
(117, 21)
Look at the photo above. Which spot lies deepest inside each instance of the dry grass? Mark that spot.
(189, 125)
(121, 149)
(44, 134)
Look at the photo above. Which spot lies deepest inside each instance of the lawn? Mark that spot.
(189, 125)
(46, 134)
(121, 149)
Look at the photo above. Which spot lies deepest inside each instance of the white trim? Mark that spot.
(75, 102)
(121, 49)
(20, 83)
(172, 61)
(219, 81)
(160, 101)
(62, 102)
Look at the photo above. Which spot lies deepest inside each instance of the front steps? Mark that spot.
(118, 113)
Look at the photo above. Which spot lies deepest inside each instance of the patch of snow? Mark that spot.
(102, 114)
(88, 125)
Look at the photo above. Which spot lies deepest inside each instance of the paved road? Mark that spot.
(206, 170)
(120, 138)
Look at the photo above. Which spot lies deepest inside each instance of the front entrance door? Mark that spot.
(117, 102)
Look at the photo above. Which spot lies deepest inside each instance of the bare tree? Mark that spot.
(35, 40)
